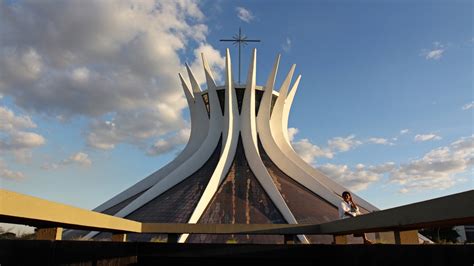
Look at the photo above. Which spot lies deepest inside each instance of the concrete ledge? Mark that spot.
(23, 209)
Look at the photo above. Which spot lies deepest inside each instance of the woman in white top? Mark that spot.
(347, 208)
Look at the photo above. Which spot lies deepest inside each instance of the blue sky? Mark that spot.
(90, 101)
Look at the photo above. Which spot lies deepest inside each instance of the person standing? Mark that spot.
(347, 209)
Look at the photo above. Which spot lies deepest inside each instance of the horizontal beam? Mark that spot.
(450, 210)
(243, 229)
(454, 209)
(23, 209)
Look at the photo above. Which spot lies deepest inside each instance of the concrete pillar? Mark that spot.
(54, 233)
(406, 237)
(119, 237)
(409, 237)
(289, 239)
(340, 239)
(173, 238)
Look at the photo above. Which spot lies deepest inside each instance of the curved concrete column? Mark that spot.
(273, 150)
(249, 141)
(279, 129)
(229, 147)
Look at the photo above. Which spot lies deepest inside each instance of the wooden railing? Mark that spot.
(456, 209)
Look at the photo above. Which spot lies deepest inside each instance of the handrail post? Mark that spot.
(172, 238)
(289, 239)
(54, 233)
(340, 239)
(396, 234)
(120, 237)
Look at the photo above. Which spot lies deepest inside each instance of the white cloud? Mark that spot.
(166, 145)
(287, 45)
(426, 137)
(404, 131)
(381, 141)
(437, 169)
(11, 122)
(113, 61)
(13, 139)
(468, 106)
(383, 168)
(244, 14)
(134, 128)
(434, 53)
(8, 173)
(292, 132)
(79, 158)
(309, 152)
(341, 144)
(355, 179)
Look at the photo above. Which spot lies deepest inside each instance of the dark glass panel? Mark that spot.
(175, 205)
(306, 206)
(205, 98)
(240, 97)
(240, 199)
(258, 99)
(221, 96)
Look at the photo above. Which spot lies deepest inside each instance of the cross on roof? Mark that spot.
(239, 40)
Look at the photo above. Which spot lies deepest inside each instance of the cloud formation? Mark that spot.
(9, 174)
(468, 106)
(356, 179)
(78, 158)
(309, 152)
(14, 140)
(437, 169)
(434, 53)
(165, 145)
(287, 45)
(112, 62)
(244, 14)
(342, 144)
(381, 141)
(426, 137)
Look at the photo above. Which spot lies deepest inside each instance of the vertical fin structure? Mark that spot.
(249, 130)
(230, 141)
(209, 77)
(279, 130)
(194, 84)
(269, 141)
(287, 108)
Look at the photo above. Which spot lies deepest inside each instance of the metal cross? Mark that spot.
(239, 39)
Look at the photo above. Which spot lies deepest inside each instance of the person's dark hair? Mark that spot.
(346, 193)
